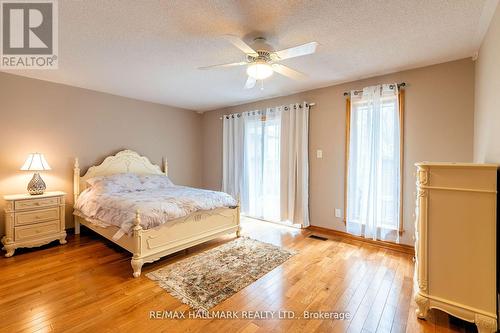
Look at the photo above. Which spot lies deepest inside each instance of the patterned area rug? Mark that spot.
(206, 279)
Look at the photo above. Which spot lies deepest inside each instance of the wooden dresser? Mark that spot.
(456, 241)
(33, 220)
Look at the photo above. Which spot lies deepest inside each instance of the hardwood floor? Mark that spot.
(87, 286)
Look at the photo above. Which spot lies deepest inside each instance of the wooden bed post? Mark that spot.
(165, 166)
(137, 261)
(76, 192)
(238, 230)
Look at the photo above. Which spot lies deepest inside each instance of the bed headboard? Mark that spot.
(122, 162)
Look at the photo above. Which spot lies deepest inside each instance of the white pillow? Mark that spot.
(120, 182)
(155, 182)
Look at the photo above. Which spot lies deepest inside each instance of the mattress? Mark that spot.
(156, 207)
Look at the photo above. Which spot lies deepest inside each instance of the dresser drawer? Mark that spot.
(37, 230)
(36, 203)
(36, 216)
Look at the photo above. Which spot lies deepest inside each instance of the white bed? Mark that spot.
(148, 245)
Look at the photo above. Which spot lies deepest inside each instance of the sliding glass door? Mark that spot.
(261, 175)
(265, 163)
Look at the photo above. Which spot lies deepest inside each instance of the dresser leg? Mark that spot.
(422, 306)
(63, 240)
(10, 250)
(485, 324)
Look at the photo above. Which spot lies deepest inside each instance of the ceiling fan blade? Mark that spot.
(287, 71)
(239, 43)
(225, 65)
(250, 83)
(297, 51)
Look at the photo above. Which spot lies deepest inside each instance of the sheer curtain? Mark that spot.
(373, 185)
(261, 178)
(266, 159)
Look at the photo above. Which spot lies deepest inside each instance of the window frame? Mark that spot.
(401, 104)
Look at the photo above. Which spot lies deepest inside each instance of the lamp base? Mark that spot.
(36, 186)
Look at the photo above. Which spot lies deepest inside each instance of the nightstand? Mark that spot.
(33, 220)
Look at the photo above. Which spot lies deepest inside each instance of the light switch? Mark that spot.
(319, 153)
(338, 212)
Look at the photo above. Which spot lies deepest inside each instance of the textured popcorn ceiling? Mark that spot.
(150, 50)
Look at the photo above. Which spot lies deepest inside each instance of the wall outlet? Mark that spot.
(319, 153)
(338, 212)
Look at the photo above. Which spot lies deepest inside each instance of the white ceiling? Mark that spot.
(150, 50)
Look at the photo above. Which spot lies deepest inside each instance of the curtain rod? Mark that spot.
(400, 85)
(239, 113)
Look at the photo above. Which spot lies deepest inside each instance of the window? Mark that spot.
(374, 162)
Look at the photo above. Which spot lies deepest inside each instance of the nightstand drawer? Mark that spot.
(36, 203)
(36, 230)
(37, 216)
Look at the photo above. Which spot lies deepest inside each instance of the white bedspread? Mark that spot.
(156, 206)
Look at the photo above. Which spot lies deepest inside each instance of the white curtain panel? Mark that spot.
(232, 150)
(265, 161)
(295, 164)
(373, 190)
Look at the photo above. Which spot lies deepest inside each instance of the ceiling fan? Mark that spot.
(262, 61)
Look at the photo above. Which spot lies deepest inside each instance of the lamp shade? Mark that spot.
(35, 162)
(259, 71)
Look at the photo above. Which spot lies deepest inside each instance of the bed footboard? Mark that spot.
(153, 244)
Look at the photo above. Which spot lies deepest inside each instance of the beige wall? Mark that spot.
(64, 122)
(439, 126)
(487, 99)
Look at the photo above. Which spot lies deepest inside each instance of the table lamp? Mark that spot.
(36, 162)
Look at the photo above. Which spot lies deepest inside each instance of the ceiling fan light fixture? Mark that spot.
(260, 71)
(262, 60)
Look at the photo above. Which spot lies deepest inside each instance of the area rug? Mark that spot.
(206, 279)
